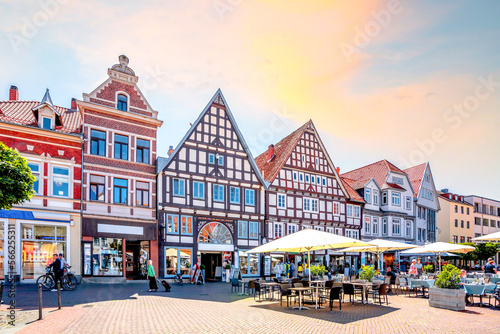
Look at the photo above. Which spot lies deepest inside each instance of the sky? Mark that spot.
(406, 81)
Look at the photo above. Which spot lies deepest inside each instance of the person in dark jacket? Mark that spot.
(57, 270)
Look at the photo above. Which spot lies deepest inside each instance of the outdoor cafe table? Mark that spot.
(365, 287)
(478, 290)
(300, 290)
(494, 279)
(318, 284)
(421, 283)
(271, 286)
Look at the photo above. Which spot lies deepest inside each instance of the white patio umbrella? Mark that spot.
(379, 246)
(438, 248)
(308, 240)
(489, 237)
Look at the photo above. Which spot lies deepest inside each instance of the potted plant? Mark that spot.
(429, 269)
(228, 273)
(318, 271)
(446, 292)
(367, 273)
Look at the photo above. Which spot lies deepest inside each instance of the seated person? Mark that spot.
(392, 275)
(463, 276)
(490, 267)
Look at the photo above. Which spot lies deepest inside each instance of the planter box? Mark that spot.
(450, 299)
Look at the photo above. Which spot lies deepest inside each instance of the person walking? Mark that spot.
(152, 277)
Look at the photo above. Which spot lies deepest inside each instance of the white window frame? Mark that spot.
(69, 178)
(375, 230)
(367, 225)
(408, 203)
(350, 210)
(291, 227)
(242, 229)
(408, 229)
(295, 176)
(368, 196)
(37, 175)
(395, 198)
(312, 204)
(396, 227)
(336, 209)
(278, 203)
(357, 211)
(375, 197)
(278, 230)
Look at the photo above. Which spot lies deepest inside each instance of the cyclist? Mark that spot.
(64, 263)
(56, 269)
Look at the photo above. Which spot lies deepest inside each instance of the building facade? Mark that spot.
(306, 192)
(455, 220)
(210, 198)
(49, 137)
(426, 203)
(486, 214)
(119, 225)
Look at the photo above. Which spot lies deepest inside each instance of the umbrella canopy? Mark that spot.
(489, 237)
(307, 241)
(438, 248)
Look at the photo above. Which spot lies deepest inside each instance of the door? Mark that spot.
(211, 261)
(87, 258)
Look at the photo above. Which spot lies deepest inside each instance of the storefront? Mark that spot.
(117, 248)
(249, 263)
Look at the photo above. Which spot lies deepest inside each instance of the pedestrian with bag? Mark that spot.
(152, 277)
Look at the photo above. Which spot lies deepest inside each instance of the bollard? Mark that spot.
(1, 293)
(58, 296)
(40, 302)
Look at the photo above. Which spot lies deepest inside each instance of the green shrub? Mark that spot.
(449, 278)
(318, 270)
(202, 267)
(367, 273)
(429, 268)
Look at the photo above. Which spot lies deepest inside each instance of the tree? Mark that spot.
(16, 179)
(486, 250)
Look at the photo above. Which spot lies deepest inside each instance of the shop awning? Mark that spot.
(16, 214)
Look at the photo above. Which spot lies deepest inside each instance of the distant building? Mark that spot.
(455, 220)
(49, 137)
(486, 214)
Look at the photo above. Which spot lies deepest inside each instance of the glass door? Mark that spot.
(87, 259)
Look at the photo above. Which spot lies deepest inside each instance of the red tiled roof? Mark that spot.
(395, 186)
(378, 170)
(21, 112)
(282, 151)
(416, 174)
(353, 194)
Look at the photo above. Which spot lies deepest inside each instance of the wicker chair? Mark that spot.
(381, 291)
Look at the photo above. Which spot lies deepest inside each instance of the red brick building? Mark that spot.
(49, 137)
(119, 226)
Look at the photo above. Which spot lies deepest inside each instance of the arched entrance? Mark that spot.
(215, 246)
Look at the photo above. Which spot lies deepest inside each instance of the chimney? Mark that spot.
(170, 150)
(270, 152)
(73, 104)
(445, 190)
(338, 170)
(13, 93)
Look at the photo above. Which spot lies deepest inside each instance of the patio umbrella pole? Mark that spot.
(309, 263)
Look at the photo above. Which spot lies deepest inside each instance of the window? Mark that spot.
(352, 234)
(234, 195)
(368, 196)
(396, 198)
(313, 179)
(301, 177)
(468, 211)
(98, 142)
(455, 239)
(46, 123)
(462, 239)
(303, 158)
(456, 222)
(278, 230)
(375, 197)
(485, 222)
(60, 181)
(324, 181)
(282, 201)
(310, 204)
(211, 158)
(408, 229)
(198, 190)
(397, 180)
(121, 147)
(462, 224)
(220, 160)
(384, 198)
(120, 191)
(142, 151)
(461, 209)
(492, 223)
(187, 225)
(384, 226)
(367, 225)
(336, 210)
(35, 170)
(469, 239)
(419, 234)
(242, 229)
(396, 227)
(292, 228)
(97, 186)
(408, 203)
(427, 178)
(172, 224)
(498, 224)
(307, 204)
(356, 211)
(456, 208)
(468, 224)
(295, 176)
(307, 178)
(179, 187)
(253, 230)
(375, 226)
(250, 197)
(218, 193)
(142, 193)
(122, 102)
(477, 221)
(349, 210)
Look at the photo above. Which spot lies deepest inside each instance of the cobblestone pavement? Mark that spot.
(213, 309)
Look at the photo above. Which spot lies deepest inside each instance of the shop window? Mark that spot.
(120, 191)
(122, 102)
(187, 225)
(35, 170)
(97, 186)
(178, 260)
(253, 230)
(60, 181)
(249, 263)
(121, 147)
(250, 197)
(198, 190)
(172, 224)
(234, 195)
(107, 257)
(98, 142)
(242, 229)
(142, 154)
(142, 193)
(39, 243)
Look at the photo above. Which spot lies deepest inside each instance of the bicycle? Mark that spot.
(178, 279)
(47, 281)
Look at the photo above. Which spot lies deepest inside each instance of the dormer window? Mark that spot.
(122, 102)
(46, 123)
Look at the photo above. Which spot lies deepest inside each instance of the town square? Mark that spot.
(230, 166)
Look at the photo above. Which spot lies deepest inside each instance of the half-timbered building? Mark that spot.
(305, 192)
(210, 198)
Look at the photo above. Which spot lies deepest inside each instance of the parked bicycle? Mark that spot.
(48, 281)
(178, 279)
